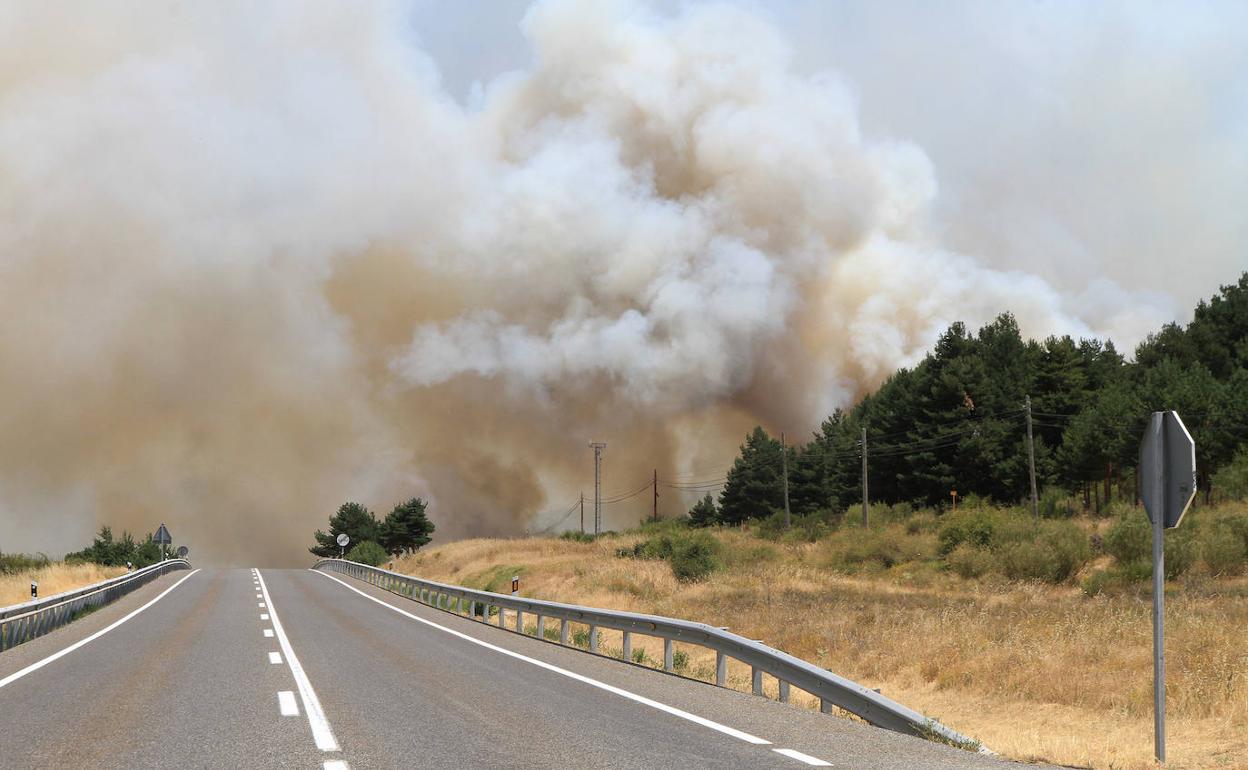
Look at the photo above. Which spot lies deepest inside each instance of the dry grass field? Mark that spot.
(1034, 671)
(53, 579)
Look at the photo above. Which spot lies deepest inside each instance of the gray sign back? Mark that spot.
(1168, 454)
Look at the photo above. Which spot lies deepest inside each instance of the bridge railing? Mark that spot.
(789, 671)
(23, 622)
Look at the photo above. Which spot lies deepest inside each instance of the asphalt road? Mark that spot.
(295, 668)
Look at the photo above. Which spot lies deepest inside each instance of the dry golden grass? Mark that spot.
(1035, 672)
(53, 579)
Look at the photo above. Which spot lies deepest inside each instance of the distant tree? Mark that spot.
(353, 519)
(753, 487)
(406, 528)
(703, 513)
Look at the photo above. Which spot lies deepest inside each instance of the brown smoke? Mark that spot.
(255, 263)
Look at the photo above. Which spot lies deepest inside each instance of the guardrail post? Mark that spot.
(520, 621)
(784, 691)
(563, 631)
(593, 638)
(825, 706)
(541, 626)
(628, 646)
(472, 609)
(721, 669)
(502, 617)
(667, 654)
(757, 676)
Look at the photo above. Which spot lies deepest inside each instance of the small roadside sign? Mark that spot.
(183, 551)
(343, 539)
(162, 536)
(1167, 469)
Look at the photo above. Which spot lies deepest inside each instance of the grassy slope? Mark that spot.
(53, 579)
(1034, 671)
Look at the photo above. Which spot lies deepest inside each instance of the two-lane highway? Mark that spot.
(297, 668)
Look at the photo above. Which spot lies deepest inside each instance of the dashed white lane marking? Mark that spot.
(336, 764)
(725, 729)
(264, 616)
(286, 703)
(275, 657)
(259, 596)
(260, 605)
(321, 733)
(800, 757)
(268, 633)
(61, 653)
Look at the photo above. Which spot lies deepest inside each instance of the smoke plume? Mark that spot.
(255, 261)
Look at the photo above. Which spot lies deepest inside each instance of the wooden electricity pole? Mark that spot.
(865, 498)
(1031, 463)
(656, 494)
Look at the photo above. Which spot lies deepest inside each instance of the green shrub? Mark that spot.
(1223, 550)
(369, 553)
(21, 562)
(1055, 552)
(680, 660)
(1055, 504)
(1130, 538)
(808, 528)
(851, 550)
(578, 537)
(970, 562)
(694, 558)
(974, 527)
(1232, 478)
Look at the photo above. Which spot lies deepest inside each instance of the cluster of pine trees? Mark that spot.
(957, 420)
(112, 551)
(404, 530)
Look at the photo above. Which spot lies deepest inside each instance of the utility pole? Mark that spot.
(598, 446)
(582, 513)
(1031, 463)
(784, 471)
(865, 498)
(656, 494)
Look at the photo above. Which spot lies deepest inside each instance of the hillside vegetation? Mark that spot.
(1034, 638)
(53, 578)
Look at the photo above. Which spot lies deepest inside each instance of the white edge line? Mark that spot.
(321, 731)
(800, 757)
(725, 729)
(335, 764)
(61, 653)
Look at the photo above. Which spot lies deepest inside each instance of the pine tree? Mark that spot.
(406, 528)
(703, 513)
(353, 519)
(753, 486)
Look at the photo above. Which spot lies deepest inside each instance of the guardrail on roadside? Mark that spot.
(789, 671)
(23, 622)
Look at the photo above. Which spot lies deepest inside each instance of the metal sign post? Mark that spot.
(1168, 484)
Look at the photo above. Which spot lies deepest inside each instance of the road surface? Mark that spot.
(301, 669)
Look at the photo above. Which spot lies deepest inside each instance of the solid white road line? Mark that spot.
(726, 730)
(275, 657)
(286, 704)
(321, 733)
(264, 616)
(268, 633)
(800, 757)
(36, 666)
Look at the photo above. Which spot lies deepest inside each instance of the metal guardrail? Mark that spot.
(789, 671)
(23, 622)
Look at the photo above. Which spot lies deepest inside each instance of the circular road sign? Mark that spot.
(343, 540)
(183, 551)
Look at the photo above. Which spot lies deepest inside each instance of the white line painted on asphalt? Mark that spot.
(268, 633)
(800, 757)
(264, 616)
(40, 664)
(258, 596)
(286, 703)
(260, 605)
(275, 657)
(321, 733)
(725, 729)
(336, 764)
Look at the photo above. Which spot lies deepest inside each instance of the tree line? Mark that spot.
(957, 420)
(113, 551)
(404, 530)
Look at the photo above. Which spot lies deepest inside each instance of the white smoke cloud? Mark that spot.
(256, 261)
